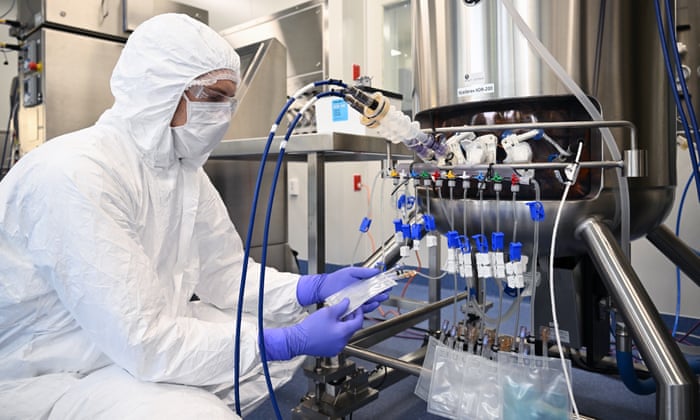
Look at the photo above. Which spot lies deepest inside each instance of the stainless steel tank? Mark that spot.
(473, 66)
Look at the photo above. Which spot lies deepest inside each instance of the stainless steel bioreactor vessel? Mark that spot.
(474, 67)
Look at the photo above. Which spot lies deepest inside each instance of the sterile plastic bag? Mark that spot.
(464, 386)
(446, 382)
(534, 387)
(423, 383)
(361, 291)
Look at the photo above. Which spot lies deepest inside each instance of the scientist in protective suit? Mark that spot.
(105, 235)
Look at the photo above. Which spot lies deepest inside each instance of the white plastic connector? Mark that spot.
(482, 150)
(516, 151)
(483, 265)
(498, 264)
(451, 263)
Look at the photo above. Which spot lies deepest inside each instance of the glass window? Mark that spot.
(397, 54)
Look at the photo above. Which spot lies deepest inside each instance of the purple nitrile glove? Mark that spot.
(316, 288)
(321, 334)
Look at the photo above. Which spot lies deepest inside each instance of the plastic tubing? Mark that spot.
(444, 208)
(684, 86)
(552, 301)
(515, 219)
(464, 213)
(535, 256)
(244, 271)
(541, 50)
(266, 234)
(676, 98)
(679, 217)
(625, 366)
(506, 316)
(452, 207)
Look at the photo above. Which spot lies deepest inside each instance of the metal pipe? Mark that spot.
(392, 362)
(380, 380)
(387, 255)
(676, 397)
(395, 325)
(544, 125)
(603, 164)
(677, 251)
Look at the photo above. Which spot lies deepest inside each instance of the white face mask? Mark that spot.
(206, 125)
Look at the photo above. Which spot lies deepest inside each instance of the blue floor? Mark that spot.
(597, 396)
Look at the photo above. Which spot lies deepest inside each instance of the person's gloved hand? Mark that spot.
(321, 334)
(316, 288)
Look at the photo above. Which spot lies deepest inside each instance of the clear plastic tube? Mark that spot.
(511, 310)
(498, 211)
(464, 213)
(444, 208)
(455, 304)
(500, 305)
(452, 208)
(548, 58)
(555, 321)
(481, 208)
(515, 220)
(535, 256)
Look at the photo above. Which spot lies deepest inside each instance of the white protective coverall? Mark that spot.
(104, 237)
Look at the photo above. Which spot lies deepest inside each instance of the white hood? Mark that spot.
(160, 59)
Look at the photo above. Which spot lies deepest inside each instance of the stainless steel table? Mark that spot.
(316, 150)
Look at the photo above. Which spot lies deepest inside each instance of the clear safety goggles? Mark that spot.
(206, 94)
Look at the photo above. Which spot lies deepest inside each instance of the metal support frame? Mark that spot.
(317, 213)
(379, 332)
(677, 251)
(677, 387)
(434, 284)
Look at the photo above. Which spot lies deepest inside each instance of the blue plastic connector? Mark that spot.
(497, 241)
(416, 231)
(406, 201)
(406, 230)
(429, 222)
(453, 239)
(539, 135)
(364, 226)
(536, 210)
(397, 225)
(515, 251)
(482, 244)
(401, 201)
(506, 133)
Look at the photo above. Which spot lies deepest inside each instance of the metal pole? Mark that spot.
(317, 212)
(677, 251)
(392, 326)
(434, 284)
(677, 388)
(392, 362)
